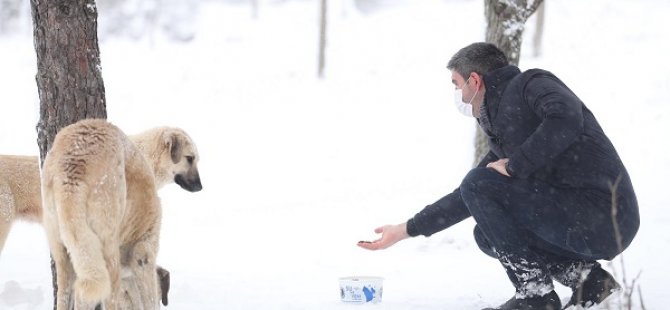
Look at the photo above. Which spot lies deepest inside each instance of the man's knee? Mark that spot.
(483, 242)
(478, 180)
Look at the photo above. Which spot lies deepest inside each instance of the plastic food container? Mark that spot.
(361, 290)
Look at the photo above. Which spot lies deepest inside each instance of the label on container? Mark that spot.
(361, 290)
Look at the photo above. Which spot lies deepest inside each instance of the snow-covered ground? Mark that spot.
(297, 169)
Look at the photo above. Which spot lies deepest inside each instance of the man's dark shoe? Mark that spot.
(598, 285)
(549, 301)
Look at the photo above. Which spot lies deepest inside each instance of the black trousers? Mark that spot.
(537, 230)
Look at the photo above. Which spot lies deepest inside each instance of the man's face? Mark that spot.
(473, 90)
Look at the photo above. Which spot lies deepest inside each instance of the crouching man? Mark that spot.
(550, 198)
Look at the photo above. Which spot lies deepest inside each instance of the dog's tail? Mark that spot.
(83, 244)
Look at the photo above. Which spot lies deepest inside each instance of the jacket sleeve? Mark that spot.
(444, 213)
(562, 122)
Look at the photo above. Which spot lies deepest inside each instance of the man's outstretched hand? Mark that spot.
(390, 235)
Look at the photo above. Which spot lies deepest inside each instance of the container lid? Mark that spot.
(361, 278)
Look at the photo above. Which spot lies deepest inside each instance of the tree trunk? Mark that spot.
(69, 78)
(322, 38)
(254, 9)
(539, 30)
(505, 21)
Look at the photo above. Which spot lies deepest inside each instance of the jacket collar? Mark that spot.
(495, 82)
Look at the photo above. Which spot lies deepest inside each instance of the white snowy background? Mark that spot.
(297, 169)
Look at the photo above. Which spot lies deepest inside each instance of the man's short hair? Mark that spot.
(477, 57)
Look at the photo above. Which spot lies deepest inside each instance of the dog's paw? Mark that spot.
(93, 289)
(141, 261)
(143, 254)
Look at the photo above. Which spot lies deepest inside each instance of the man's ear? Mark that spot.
(174, 146)
(477, 79)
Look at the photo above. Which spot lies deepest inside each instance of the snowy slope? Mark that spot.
(296, 170)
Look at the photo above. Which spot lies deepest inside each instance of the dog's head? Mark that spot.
(182, 166)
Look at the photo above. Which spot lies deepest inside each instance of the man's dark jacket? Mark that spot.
(549, 135)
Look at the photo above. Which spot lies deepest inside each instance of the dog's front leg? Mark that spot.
(143, 265)
(130, 293)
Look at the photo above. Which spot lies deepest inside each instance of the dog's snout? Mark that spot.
(191, 185)
(197, 186)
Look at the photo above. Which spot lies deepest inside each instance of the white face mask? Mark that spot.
(464, 108)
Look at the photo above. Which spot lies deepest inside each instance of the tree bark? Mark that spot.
(69, 78)
(539, 30)
(322, 38)
(505, 22)
(254, 9)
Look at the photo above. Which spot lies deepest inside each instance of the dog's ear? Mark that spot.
(175, 146)
(164, 280)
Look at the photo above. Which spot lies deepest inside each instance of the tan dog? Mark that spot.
(102, 212)
(19, 192)
(20, 196)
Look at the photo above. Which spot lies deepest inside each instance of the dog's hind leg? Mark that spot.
(64, 273)
(5, 226)
(113, 264)
(7, 212)
(93, 283)
(64, 278)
